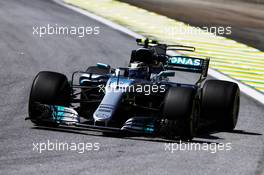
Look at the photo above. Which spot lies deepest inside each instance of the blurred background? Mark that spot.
(246, 17)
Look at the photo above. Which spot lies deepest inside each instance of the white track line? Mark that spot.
(244, 88)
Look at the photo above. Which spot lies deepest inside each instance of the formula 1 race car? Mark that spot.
(139, 98)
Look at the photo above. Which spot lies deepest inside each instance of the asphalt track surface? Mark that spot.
(24, 54)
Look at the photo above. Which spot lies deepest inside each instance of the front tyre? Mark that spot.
(180, 113)
(48, 88)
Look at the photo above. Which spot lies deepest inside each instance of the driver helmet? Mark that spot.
(138, 70)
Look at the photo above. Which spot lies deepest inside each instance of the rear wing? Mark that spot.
(188, 64)
(153, 43)
(179, 62)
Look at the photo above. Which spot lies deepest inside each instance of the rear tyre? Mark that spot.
(49, 88)
(180, 113)
(220, 102)
(133, 56)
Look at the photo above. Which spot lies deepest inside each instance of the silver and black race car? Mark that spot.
(139, 98)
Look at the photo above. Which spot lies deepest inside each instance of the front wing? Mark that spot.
(64, 116)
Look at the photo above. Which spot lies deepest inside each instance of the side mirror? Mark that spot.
(120, 71)
(166, 74)
(102, 65)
